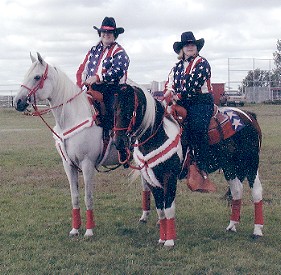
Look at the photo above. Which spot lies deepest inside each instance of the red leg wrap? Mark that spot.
(258, 213)
(146, 200)
(163, 229)
(90, 224)
(171, 229)
(236, 207)
(76, 218)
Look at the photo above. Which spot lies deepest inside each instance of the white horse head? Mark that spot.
(37, 84)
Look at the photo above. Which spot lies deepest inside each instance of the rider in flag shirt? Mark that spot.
(105, 67)
(189, 85)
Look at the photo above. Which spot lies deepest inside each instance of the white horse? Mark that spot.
(78, 138)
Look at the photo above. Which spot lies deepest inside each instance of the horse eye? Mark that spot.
(37, 77)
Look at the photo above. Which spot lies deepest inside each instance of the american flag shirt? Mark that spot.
(109, 63)
(188, 77)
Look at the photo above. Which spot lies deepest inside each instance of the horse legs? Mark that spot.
(72, 175)
(236, 189)
(257, 199)
(145, 201)
(165, 205)
(88, 173)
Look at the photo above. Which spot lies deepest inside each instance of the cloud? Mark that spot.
(62, 31)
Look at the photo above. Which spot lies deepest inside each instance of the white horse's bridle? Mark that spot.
(40, 85)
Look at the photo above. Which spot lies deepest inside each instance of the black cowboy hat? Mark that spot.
(186, 38)
(108, 25)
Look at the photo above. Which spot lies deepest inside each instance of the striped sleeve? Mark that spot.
(81, 72)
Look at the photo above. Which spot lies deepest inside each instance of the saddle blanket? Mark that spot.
(224, 124)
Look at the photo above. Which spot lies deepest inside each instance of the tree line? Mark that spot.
(266, 78)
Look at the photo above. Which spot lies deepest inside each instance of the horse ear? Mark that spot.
(33, 59)
(40, 59)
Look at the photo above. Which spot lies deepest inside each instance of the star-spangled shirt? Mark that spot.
(188, 77)
(109, 63)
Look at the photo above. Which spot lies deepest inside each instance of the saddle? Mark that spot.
(96, 99)
(220, 127)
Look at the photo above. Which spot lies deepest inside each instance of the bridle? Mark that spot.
(37, 112)
(129, 132)
(40, 85)
(132, 123)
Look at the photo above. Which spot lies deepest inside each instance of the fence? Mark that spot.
(6, 101)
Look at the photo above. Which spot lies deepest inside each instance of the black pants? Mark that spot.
(108, 91)
(199, 114)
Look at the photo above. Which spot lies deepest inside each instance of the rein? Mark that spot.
(133, 119)
(37, 112)
(129, 131)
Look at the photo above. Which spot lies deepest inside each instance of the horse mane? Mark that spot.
(150, 112)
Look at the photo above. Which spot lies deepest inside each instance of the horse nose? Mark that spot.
(21, 105)
(120, 143)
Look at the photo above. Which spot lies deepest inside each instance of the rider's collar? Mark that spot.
(190, 58)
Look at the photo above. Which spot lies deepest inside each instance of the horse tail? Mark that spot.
(255, 124)
(134, 175)
(252, 114)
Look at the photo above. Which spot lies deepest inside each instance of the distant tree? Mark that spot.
(276, 73)
(263, 78)
(257, 78)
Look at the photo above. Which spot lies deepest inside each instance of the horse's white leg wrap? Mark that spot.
(236, 188)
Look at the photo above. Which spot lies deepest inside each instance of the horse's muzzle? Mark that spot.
(21, 105)
(121, 142)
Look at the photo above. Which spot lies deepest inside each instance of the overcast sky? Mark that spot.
(62, 31)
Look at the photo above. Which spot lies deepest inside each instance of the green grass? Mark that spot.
(35, 214)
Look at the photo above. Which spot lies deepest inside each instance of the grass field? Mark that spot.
(35, 214)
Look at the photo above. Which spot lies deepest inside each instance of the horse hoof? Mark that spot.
(232, 226)
(89, 233)
(169, 243)
(161, 242)
(231, 230)
(256, 237)
(74, 232)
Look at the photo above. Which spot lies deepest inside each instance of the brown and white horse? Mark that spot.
(157, 153)
(140, 122)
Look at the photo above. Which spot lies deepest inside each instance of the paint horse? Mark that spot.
(78, 138)
(157, 150)
(139, 116)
